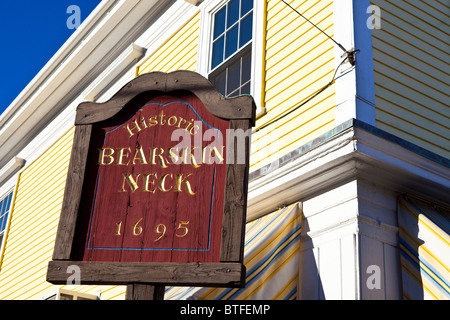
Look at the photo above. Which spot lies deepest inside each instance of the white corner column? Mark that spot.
(349, 246)
(355, 95)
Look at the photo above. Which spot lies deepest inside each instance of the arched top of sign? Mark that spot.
(215, 103)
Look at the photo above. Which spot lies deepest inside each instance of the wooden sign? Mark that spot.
(157, 185)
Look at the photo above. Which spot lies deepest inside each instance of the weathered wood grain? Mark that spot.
(219, 106)
(168, 273)
(72, 193)
(142, 291)
(235, 205)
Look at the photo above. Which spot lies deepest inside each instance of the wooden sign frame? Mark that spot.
(230, 271)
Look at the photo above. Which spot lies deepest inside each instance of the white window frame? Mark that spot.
(56, 295)
(3, 196)
(208, 9)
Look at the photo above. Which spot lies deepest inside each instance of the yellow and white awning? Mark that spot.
(424, 250)
(271, 256)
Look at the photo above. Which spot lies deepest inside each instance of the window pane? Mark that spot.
(232, 40)
(217, 53)
(220, 82)
(246, 6)
(8, 201)
(246, 30)
(219, 22)
(234, 77)
(246, 89)
(233, 94)
(246, 67)
(233, 12)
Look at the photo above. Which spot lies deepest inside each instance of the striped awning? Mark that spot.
(425, 250)
(271, 256)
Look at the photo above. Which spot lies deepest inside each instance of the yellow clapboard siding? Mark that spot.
(32, 203)
(277, 34)
(34, 221)
(36, 171)
(397, 119)
(299, 61)
(304, 127)
(310, 74)
(178, 53)
(416, 26)
(30, 240)
(408, 58)
(424, 76)
(411, 72)
(435, 8)
(267, 155)
(413, 79)
(299, 116)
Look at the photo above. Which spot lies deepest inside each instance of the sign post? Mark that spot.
(157, 188)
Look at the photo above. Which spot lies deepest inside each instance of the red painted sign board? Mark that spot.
(156, 191)
(158, 184)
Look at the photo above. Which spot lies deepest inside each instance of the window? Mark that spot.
(64, 294)
(5, 206)
(231, 57)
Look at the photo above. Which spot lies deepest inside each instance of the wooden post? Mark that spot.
(144, 291)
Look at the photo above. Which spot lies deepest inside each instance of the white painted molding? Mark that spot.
(194, 2)
(355, 87)
(14, 165)
(123, 62)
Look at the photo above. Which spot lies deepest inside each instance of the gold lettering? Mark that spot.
(122, 154)
(143, 123)
(130, 130)
(139, 155)
(193, 133)
(216, 153)
(158, 153)
(172, 123)
(179, 122)
(103, 154)
(182, 226)
(188, 152)
(161, 230)
(173, 155)
(189, 124)
(147, 181)
(131, 182)
(137, 230)
(152, 121)
(161, 117)
(119, 225)
(161, 183)
(180, 180)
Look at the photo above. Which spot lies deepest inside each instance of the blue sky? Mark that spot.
(31, 32)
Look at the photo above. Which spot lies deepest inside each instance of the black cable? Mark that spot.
(350, 56)
(307, 100)
(338, 44)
